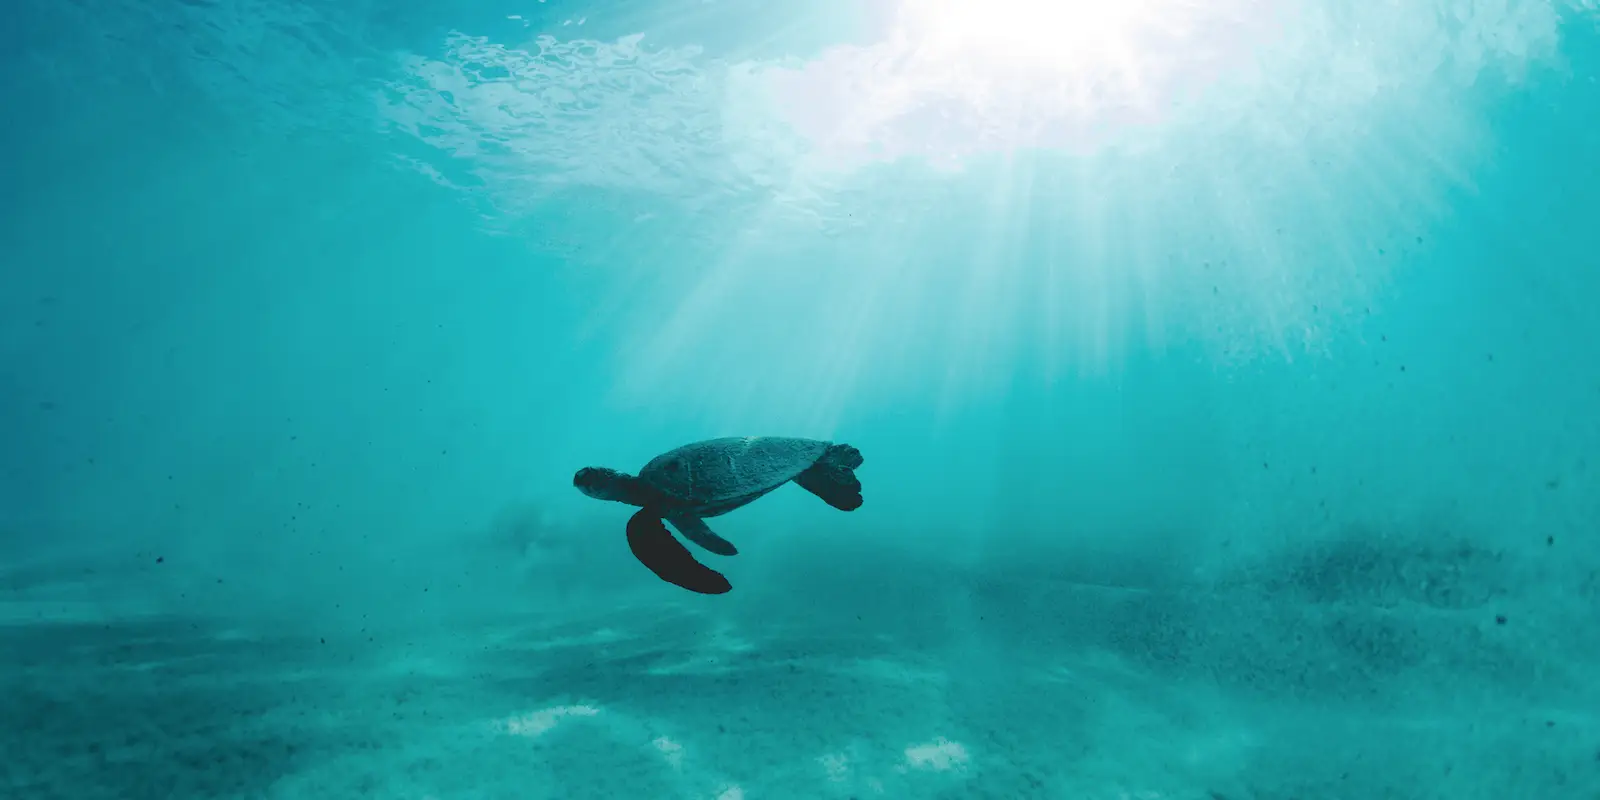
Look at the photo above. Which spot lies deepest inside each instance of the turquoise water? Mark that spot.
(1226, 378)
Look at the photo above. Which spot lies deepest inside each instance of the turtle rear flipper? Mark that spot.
(833, 477)
(654, 546)
(696, 530)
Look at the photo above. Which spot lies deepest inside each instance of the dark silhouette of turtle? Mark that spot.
(711, 478)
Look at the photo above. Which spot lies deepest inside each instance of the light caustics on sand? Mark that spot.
(919, 761)
(983, 183)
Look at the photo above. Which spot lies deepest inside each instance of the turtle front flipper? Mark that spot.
(696, 530)
(654, 546)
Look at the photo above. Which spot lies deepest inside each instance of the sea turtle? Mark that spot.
(711, 478)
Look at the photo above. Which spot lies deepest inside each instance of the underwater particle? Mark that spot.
(161, 559)
(1499, 619)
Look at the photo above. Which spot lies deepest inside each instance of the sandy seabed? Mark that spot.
(1347, 674)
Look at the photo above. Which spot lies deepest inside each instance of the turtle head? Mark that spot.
(603, 483)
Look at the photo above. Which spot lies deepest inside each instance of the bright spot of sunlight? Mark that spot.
(1042, 33)
(949, 79)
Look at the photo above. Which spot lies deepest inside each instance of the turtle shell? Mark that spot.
(718, 475)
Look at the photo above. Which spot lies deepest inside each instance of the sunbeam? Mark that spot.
(1152, 172)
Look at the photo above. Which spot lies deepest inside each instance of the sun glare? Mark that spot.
(1056, 34)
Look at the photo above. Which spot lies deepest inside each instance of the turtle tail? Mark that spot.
(833, 477)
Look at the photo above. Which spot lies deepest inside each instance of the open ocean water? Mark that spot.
(1227, 376)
